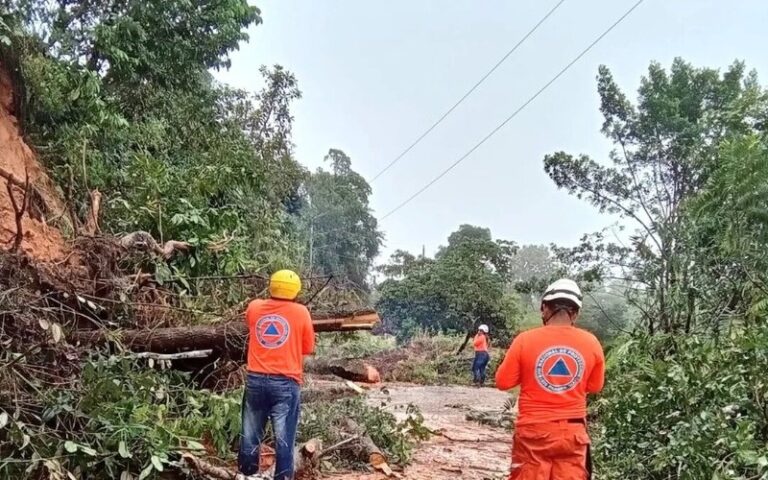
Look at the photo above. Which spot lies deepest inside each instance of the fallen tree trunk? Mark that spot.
(227, 338)
(355, 370)
(330, 394)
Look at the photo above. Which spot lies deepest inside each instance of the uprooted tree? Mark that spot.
(140, 195)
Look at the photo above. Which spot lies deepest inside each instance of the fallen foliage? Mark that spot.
(431, 360)
(685, 407)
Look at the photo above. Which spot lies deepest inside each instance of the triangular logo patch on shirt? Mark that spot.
(560, 369)
(272, 330)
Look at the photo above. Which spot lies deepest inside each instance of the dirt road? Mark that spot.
(463, 449)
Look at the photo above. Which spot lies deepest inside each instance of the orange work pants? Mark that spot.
(550, 451)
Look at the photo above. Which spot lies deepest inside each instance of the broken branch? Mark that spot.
(338, 445)
(206, 468)
(18, 212)
(92, 221)
(174, 356)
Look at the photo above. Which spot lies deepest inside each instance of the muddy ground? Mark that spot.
(462, 449)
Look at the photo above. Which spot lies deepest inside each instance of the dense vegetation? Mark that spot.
(685, 396)
(117, 96)
(687, 407)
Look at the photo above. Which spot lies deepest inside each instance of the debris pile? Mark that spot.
(105, 368)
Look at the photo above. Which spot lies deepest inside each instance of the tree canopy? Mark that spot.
(341, 233)
(460, 288)
(668, 147)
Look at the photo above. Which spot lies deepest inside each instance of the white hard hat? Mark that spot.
(564, 289)
(483, 328)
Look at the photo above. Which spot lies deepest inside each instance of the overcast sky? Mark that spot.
(375, 75)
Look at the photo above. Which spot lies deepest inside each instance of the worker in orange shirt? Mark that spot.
(482, 357)
(556, 366)
(280, 333)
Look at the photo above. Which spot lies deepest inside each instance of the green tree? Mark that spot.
(339, 230)
(728, 223)
(138, 45)
(463, 286)
(667, 147)
(120, 99)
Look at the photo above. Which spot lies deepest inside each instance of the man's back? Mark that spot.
(555, 366)
(280, 334)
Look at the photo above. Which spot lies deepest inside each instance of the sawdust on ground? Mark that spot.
(462, 449)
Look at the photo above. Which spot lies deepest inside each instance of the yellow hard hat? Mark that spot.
(284, 285)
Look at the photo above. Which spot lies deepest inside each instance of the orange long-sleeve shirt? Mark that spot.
(280, 333)
(555, 367)
(480, 342)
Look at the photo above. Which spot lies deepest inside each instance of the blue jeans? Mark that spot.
(479, 365)
(269, 397)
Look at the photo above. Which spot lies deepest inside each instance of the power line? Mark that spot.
(515, 113)
(474, 87)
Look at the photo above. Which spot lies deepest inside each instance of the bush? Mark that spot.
(432, 360)
(353, 345)
(395, 439)
(124, 417)
(689, 408)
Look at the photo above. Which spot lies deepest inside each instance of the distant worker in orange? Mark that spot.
(556, 366)
(280, 333)
(482, 357)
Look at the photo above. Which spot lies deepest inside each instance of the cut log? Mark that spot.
(366, 450)
(227, 338)
(306, 458)
(355, 370)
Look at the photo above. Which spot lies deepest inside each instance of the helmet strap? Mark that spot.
(556, 310)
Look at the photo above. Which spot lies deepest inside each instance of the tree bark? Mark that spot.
(465, 343)
(92, 221)
(355, 370)
(228, 338)
(306, 459)
(367, 450)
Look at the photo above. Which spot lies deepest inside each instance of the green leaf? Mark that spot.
(122, 449)
(157, 463)
(145, 473)
(195, 445)
(87, 450)
(70, 446)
